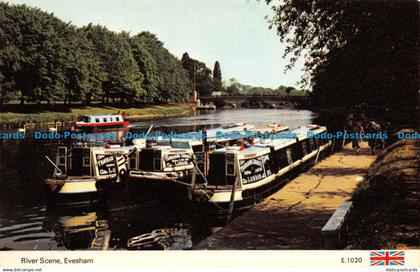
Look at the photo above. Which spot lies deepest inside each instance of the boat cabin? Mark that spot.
(257, 170)
(95, 162)
(221, 168)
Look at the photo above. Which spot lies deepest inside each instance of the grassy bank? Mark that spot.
(385, 213)
(154, 111)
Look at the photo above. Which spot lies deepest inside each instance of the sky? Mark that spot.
(234, 32)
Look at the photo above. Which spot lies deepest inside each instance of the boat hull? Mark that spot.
(77, 193)
(98, 126)
(218, 201)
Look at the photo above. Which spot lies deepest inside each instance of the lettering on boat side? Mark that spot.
(252, 170)
(106, 164)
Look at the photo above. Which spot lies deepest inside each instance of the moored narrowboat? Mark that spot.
(162, 161)
(172, 160)
(247, 176)
(82, 173)
(273, 128)
(91, 122)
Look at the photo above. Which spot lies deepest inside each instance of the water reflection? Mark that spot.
(28, 223)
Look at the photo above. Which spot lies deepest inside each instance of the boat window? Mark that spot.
(289, 156)
(197, 148)
(157, 164)
(217, 169)
(62, 151)
(268, 165)
(110, 119)
(312, 144)
(97, 120)
(117, 118)
(76, 162)
(132, 160)
(157, 159)
(280, 158)
(230, 169)
(230, 165)
(317, 143)
(296, 152)
(105, 120)
(146, 159)
(86, 161)
(199, 157)
(304, 149)
(62, 160)
(183, 145)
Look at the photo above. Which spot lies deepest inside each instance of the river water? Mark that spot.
(27, 222)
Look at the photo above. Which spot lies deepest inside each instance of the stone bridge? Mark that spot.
(256, 101)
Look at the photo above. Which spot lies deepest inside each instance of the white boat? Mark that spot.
(273, 128)
(162, 161)
(247, 176)
(82, 172)
(101, 121)
(172, 160)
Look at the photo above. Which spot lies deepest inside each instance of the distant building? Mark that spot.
(216, 93)
(246, 88)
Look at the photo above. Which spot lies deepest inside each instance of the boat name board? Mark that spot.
(251, 170)
(106, 164)
(173, 160)
(112, 152)
(256, 169)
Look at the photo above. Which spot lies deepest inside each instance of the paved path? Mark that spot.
(292, 218)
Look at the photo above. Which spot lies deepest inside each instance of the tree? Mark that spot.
(358, 53)
(148, 67)
(42, 48)
(45, 59)
(234, 87)
(217, 76)
(199, 74)
(121, 76)
(9, 54)
(174, 85)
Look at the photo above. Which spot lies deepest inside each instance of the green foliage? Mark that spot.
(45, 59)
(174, 84)
(148, 67)
(217, 76)
(358, 54)
(199, 74)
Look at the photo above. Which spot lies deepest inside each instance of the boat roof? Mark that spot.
(276, 144)
(231, 132)
(250, 151)
(302, 132)
(101, 115)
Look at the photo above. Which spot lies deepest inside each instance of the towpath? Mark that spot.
(292, 217)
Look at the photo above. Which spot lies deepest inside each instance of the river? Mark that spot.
(28, 223)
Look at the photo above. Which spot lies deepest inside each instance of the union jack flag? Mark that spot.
(387, 258)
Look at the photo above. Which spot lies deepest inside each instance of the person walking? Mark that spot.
(358, 131)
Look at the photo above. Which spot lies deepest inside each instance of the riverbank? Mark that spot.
(385, 212)
(292, 218)
(133, 113)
